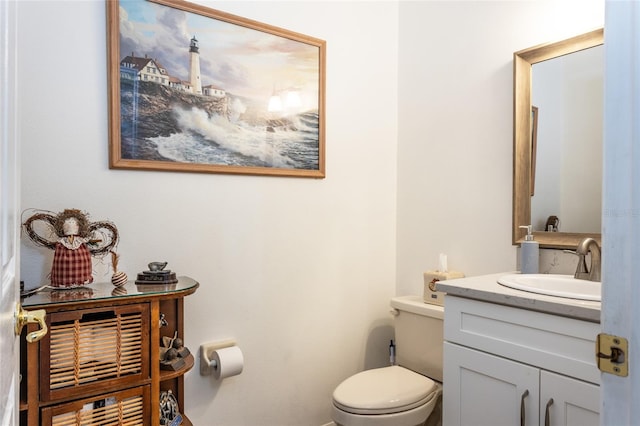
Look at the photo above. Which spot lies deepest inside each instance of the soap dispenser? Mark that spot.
(529, 253)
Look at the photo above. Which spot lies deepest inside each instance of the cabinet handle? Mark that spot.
(547, 417)
(522, 411)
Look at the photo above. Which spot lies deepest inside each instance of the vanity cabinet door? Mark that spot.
(575, 402)
(486, 390)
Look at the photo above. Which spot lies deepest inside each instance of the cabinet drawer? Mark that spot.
(559, 344)
(87, 351)
(128, 407)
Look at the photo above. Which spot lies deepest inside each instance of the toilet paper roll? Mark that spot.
(227, 362)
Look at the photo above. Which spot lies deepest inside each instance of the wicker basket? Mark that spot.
(88, 350)
(119, 408)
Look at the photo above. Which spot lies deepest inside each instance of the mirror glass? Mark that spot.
(567, 93)
(558, 140)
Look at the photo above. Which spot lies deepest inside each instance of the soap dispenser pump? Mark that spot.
(529, 253)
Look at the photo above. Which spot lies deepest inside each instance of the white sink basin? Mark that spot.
(553, 285)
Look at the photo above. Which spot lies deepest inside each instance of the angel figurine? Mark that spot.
(74, 240)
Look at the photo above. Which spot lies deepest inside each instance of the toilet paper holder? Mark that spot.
(206, 349)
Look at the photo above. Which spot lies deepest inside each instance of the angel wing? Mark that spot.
(103, 237)
(39, 228)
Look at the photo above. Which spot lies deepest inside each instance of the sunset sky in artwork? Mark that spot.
(240, 60)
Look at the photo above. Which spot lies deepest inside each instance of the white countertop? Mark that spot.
(486, 288)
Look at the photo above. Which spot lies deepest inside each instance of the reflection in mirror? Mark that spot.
(567, 172)
(551, 157)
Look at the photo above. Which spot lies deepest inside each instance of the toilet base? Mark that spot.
(435, 419)
(431, 411)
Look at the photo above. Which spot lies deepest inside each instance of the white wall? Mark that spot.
(419, 128)
(456, 127)
(299, 271)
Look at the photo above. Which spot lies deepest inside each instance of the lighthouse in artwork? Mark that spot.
(194, 67)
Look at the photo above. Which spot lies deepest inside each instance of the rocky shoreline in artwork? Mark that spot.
(147, 111)
(150, 110)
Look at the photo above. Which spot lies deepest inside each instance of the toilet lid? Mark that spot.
(383, 391)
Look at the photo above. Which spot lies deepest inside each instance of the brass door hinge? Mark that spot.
(612, 354)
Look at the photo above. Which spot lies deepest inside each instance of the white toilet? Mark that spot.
(403, 394)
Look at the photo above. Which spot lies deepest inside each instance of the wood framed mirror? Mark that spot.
(523, 155)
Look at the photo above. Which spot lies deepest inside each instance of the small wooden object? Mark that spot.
(173, 353)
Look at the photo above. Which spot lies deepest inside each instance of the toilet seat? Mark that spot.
(385, 390)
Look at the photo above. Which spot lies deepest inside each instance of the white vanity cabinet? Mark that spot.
(490, 390)
(503, 365)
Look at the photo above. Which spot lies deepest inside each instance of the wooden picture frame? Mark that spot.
(534, 146)
(194, 89)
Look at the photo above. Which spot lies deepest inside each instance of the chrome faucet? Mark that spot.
(586, 246)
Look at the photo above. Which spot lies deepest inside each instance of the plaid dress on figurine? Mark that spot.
(71, 264)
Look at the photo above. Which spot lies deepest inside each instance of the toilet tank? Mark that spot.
(419, 335)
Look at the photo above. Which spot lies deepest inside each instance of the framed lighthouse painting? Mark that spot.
(194, 89)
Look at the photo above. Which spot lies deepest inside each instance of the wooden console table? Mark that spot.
(100, 361)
